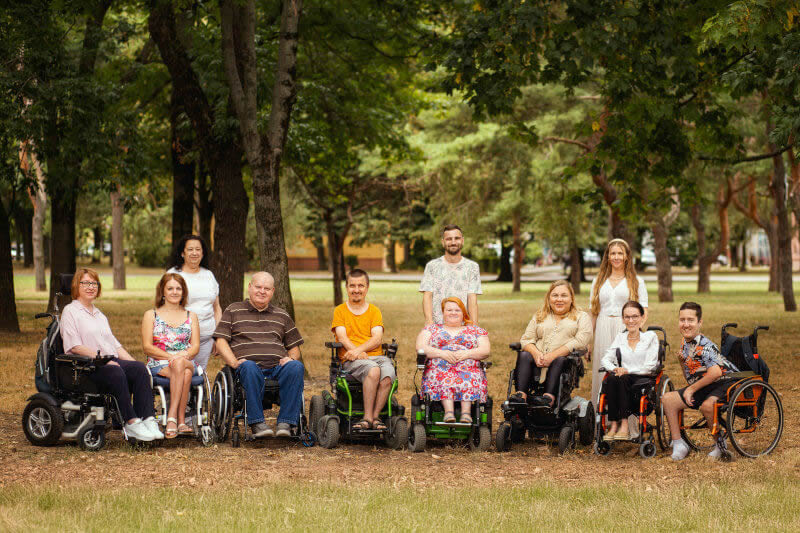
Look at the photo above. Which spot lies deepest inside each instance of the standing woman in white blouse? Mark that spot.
(615, 284)
(638, 357)
(190, 260)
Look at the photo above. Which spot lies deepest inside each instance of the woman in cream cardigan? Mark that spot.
(555, 330)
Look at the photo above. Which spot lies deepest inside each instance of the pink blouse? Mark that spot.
(80, 326)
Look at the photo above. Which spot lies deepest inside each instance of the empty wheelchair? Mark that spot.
(334, 413)
(427, 417)
(650, 415)
(199, 405)
(229, 409)
(567, 416)
(751, 413)
(68, 404)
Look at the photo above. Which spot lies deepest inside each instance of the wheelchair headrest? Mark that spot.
(515, 346)
(65, 284)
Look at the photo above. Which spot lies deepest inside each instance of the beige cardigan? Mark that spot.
(549, 335)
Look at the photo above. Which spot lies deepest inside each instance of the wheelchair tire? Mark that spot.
(647, 449)
(328, 434)
(399, 436)
(207, 436)
(503, 440)
(662, 426)
(755, 430)
(481, 439)
(42, 422)
(586, 426)
(222, 404)
(696, 433)
(417, 438)
(316, 410)
(602, 448)
(566, 439)
(92, 439)
(236, 439)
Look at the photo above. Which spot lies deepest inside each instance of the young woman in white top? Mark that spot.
(190, 260)
(615, 284)
(639, 356)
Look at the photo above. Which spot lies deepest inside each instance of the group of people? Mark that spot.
(260, 340)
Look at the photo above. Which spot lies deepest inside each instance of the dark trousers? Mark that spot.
(622, 395)
(526, 368)
(120, 381)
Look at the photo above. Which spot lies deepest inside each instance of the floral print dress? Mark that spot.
(463, 381)
(170, 339)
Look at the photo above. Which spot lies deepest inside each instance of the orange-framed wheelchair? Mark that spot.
(750, 415)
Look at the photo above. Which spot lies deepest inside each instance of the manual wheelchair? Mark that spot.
(199, 404)
(427, 418)
(68, 404)
(567, 416)
(650, 388)
(229, 409)
(333, 414)
(751, 413)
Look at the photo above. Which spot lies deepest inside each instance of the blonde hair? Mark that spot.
(460, 304)
(605, 273)
(547, 310)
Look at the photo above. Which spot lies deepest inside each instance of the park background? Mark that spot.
(300, 135)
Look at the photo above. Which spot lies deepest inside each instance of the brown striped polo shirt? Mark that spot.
(260, 336)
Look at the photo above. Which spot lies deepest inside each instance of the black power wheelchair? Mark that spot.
(650, 389)
(229, 409)
(751, 413)
(567, 416)
(68, 404)
(427, 417)
(333, 414)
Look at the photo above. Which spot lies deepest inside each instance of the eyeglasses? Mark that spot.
(89, 284)
(630, 317)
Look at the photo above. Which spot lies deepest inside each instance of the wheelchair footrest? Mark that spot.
(454, 424)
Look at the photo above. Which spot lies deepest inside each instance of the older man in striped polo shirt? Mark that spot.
(261, 341)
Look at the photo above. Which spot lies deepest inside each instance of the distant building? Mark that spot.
(303, 255)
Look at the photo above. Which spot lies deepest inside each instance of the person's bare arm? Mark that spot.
(479, 353)
(224, 350)
(217, 311)
(427, 307)
(430, 352)
(194, 343)
(360, 351)
(148, 347)
(472, 307)
(294, 354)
(711, 375)
(122, 353)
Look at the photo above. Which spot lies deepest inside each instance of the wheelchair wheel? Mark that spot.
(207, 435)
(586, 426)
(662, 426)
(236, 438)
(481, 439)
(42, 422)
(566, 439)
(399, 436)
(647, 449)
(328, 433)
(755, 418)
(222, 404)
(502, 441)
(91, 439)
(417, 438)
(602, 448)
(316, 410)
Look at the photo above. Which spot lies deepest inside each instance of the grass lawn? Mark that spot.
(364, 487)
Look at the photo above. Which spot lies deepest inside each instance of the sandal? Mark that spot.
(465, 419)
(377, 424)
(449, 417)
(362, 424)
(171, 432)
(185, 429)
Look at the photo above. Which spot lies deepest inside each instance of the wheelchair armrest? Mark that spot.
(334, 345)
(75, 358)
(390, 349)
(602, 370)
(580, 352)
(101, 360)
(486, 365)
(517, 347)
(421, 359)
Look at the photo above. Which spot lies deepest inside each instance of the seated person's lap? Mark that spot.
(361, 367)
(161, 368)
(717, 389)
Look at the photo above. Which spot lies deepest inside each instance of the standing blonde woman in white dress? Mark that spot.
(615, 284)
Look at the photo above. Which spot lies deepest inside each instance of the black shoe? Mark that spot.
(517, 397)
(540, 401)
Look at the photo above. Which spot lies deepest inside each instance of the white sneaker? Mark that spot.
(138, 430)
(152, 426)
(716, 453)
(679, 450)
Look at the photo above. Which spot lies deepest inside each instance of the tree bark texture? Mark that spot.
(8, 318)
(263, 152)
(204, 203)
(765, 222)
(117, 240)
(183, 172)
(516, 270)
(779, 192)
(663, 264)
(322, 257)
(335, 250)
(505, 273)
(706, 257)
(62, 244)
(28, 158)
(575, 266)
(391, 255)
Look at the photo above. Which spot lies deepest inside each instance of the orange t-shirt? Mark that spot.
(358, 327)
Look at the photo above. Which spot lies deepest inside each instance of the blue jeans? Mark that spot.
(290, 379)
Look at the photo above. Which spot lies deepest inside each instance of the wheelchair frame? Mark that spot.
(650, 396)
(738, 406)
(427, 418)
(564, 418)
(332, 415)
(199, 397)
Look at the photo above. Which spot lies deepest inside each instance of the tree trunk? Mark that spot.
(743, 259)
(774, 262)
(575, 265)
(117, 240)
(391, 256)
(8, 318)
(517, 243)
(335, 259)
(204, 204)
(784, 232)
(27, 237)
(97, 234)
(39, 201)
(182, 176)
(505, 273)
(62, 243)
(663, 265)
(322, 258)
(704, 260)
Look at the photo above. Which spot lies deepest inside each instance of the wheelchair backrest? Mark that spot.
(743, 353)
(50, 347)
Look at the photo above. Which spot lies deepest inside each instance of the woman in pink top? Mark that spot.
(85, 331)
(170, 348)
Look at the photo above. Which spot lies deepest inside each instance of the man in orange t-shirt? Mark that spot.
(358, 325)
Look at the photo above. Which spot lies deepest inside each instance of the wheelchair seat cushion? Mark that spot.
(161, 381)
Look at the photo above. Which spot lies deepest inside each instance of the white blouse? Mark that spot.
(613, 298)
(203, 291)
(642, 359)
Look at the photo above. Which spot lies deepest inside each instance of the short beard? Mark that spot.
(448, 252)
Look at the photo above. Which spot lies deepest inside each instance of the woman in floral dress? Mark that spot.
(454, 349)
(171, 348)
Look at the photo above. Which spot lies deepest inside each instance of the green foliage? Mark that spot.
(148, 232)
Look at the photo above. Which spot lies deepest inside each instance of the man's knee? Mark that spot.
(707, 407)
(387, 381)
(374, 373)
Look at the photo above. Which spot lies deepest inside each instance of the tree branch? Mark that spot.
(747, 159)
